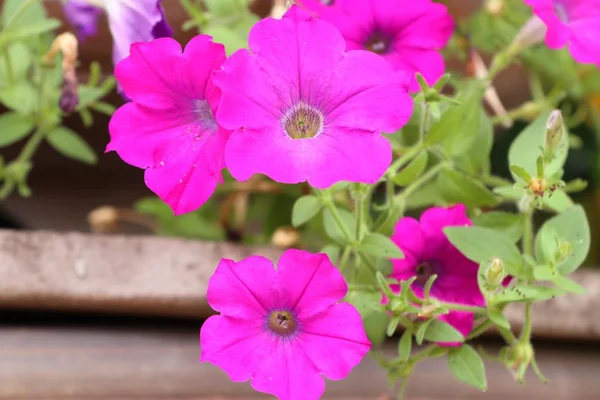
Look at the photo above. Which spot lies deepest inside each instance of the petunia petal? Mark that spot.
(322, 160)
(245, 290)
(434, 220)
(133, 21)
(335, 340)
(309, 282)
(83, 16)
(409, 237)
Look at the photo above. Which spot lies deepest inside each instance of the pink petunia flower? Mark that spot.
(283, 328)
(302, 109)
(428, 251)
(409, 34)
(169, 127)
(573, 23)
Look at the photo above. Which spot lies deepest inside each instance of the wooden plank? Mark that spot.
(168, 277)
(161, 362)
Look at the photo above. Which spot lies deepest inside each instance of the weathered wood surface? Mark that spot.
(149, 361)
(166, 276)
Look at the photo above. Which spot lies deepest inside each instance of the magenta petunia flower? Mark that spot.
(572, 23)
(302, 109)
(130, 21)
(169, 127)
(428, 251)
(409, 34)
(282, 328)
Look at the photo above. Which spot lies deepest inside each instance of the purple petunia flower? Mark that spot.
(408, 34)
(428, 251)
(130, 21)
(304, 109)
(282, 328)
(572, 23)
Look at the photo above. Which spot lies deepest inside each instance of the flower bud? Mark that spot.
(554, 134)
(67, 44)
(495, 273)
(538, 186)
(531, 33)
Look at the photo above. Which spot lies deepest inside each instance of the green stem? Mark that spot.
(423, 179)
(402, 388)
(403, 160)
(423, 122)
(507, 334)
(502, 60)
(338, 220)
(344, 259)
(461, 307)
(526, 333)
(520, 112)
(423, 354)
(360, 217)
(31, 146)
(528, 233)
(481, 328)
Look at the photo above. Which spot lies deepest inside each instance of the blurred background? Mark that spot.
(107, 354)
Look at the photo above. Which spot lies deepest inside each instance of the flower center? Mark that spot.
(303, 122)
(202, 110)
(282, 322)
(424, 272)
(327, 2)
(378, 43)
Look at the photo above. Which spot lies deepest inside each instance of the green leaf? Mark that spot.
(331, 227)
(543, 273)
(522, 293)
(20, 61)
(34, 29)
(508, 223)
(69, 144)
(405, 345)
(230, 39)
(421, 329)
(441, 332)
(521, 173)
(527, 147)
(14, 127)
(365, 302)
(332, 251)
(568, 285)
(457, 187)
(20, 97)
(476, 160)
(412, 171)
(305, 208)
(572, 228)
(19, 13)
(380, 246)
(482, 244)
(467, 366)
(458, 127)
(375, 327)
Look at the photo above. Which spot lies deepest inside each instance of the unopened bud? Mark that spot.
(538, 186)
(495, 273)
(518, 355)
(104, 219)
(66, 43)
(285, 237)
(533, 32)
(554, 134)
